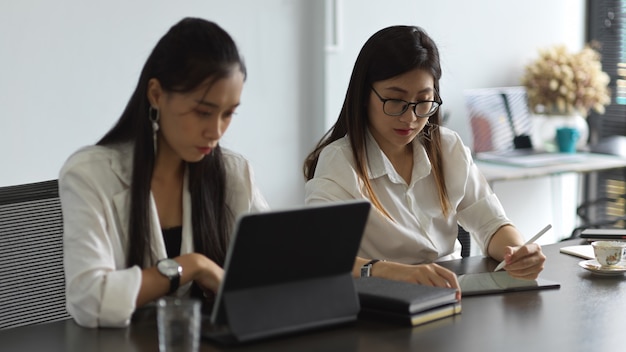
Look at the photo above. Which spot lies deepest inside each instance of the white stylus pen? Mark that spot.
(535, 237)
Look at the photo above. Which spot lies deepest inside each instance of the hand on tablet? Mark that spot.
(524, 262)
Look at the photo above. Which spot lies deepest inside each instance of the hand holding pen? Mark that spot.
(532, 240)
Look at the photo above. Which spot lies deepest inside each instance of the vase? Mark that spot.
(544, 128)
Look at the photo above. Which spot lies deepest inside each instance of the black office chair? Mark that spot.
(598, 213)
(32, 285)
(465, 240)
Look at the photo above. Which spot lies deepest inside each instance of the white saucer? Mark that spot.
(595, 267)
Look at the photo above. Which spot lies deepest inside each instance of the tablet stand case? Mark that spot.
(291, 271)
(290, 307)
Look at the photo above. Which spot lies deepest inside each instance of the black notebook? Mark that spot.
(405, 302)
(444, 311)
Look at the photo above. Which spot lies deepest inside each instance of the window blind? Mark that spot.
(606, 25)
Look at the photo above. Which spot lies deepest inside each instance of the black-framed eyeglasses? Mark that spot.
(397, 107)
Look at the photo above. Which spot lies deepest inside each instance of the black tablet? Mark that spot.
(287, 271)
(499, 282)
(604, 234)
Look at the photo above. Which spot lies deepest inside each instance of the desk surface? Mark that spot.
(586, 314)
(588, 162)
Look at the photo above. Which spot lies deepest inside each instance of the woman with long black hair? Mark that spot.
(149, 209)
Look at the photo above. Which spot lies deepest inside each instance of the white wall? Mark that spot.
(69, 66)
(482, 43)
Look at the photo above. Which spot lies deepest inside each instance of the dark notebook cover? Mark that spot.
(401, 297)
(444, 311)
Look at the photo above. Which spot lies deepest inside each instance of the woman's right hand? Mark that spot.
(196, 267)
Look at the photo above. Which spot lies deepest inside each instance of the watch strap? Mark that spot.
(174, 283)
(366, 270)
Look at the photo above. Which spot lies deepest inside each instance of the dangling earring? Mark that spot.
(426, 133)
(153, 116)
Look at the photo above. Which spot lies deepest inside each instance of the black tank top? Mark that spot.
(173, 239)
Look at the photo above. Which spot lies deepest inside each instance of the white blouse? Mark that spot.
(94, 187)
(419, 232)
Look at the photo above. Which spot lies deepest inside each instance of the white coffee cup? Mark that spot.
(608, 253)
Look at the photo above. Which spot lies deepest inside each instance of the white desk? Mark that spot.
(534, 196)
(588, 163)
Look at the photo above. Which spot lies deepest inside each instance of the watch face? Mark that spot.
(169, 267)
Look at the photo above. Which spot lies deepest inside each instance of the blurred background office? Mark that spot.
(69, 67)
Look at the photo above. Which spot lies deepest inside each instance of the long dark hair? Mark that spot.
(390, 52)
(192, 51)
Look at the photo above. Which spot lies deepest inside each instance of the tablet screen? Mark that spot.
(500, 281)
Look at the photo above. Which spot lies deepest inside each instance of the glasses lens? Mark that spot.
(426, 108)
(395, 107)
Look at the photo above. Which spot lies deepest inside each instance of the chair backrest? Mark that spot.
(466, 242)
(32, 284)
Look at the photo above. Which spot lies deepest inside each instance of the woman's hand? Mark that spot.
(202, 270)
(525, 262)
(208, 275)
(196, 267)
(425, 274)
(522, 261)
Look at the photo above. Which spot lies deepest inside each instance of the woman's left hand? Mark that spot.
(525, 262)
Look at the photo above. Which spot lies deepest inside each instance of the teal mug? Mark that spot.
(566, 138)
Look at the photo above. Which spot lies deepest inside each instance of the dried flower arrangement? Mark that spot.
(560, 82)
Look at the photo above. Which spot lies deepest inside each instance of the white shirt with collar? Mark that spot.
(419, 232)
(94, 188)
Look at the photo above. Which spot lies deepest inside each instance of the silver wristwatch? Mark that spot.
(171, 270)
(366, 270)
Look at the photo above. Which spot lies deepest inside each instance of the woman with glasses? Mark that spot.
(387, 147)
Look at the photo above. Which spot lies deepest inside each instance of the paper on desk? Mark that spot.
(583, 250)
